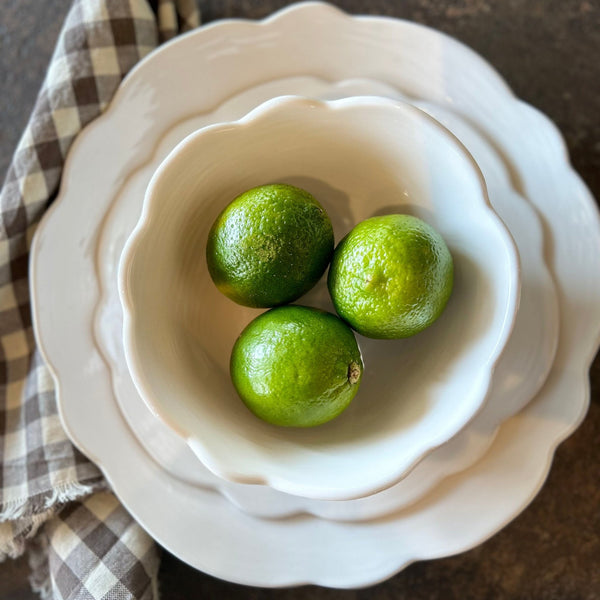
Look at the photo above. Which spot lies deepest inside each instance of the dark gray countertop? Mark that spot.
(549, 52)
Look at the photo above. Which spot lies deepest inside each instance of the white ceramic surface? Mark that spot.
(425, 65)
(520, 372)
(359, 157)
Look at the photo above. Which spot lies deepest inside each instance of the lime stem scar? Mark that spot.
(353, 372)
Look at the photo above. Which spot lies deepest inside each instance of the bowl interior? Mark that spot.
(359, 158)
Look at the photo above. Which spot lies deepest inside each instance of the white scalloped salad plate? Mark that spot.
(199, 525)
(519, 373)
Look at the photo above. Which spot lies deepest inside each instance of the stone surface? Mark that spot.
(548, 52)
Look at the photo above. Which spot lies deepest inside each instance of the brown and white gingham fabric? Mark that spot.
(94, 549)
(53, 501)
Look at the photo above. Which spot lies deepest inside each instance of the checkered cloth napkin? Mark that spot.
(54, 503)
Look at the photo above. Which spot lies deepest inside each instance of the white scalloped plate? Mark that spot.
(198, 525)
(519, 374)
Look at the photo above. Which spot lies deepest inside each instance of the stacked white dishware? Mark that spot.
(456, 489)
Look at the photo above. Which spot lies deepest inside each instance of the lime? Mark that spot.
(296, 366)
(269, 246)
(391, 276)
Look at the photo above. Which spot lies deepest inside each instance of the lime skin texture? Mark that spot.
(391, 276)
(269, 246)
(296, 366)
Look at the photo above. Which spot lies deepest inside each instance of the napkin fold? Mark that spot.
(54, 502)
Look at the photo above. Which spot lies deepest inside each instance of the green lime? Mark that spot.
(391, 276)
(296, 366)
(269, 246)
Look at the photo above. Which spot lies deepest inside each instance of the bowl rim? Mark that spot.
(221, 468)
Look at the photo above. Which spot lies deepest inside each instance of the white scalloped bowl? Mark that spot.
(358, 157)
